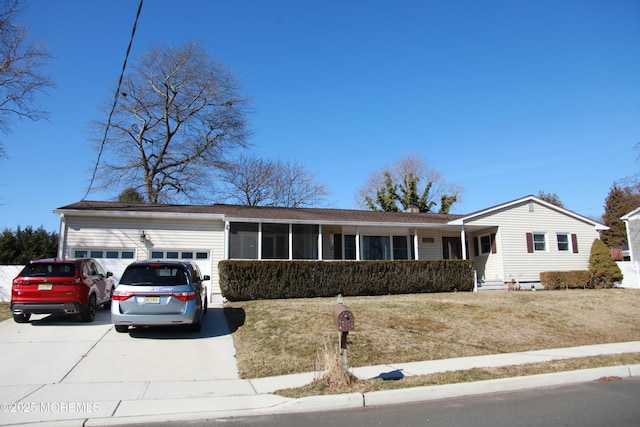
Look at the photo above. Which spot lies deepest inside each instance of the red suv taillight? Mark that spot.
(184, 296)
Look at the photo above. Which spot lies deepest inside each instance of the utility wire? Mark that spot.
(115, 102)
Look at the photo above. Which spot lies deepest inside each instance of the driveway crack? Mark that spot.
(84, 355)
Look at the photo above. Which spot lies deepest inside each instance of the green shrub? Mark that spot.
(604, 270)
(247, 280)
(566, 279)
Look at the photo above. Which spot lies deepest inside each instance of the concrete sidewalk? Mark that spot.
(99, 387)
(108, 404)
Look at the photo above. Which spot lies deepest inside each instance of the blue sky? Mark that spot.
(504, 98)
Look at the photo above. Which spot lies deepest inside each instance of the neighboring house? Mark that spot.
(512, 241)
(632, 224)
(631, 269)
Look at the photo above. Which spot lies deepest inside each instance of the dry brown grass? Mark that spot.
(279, 337)
(5, 311)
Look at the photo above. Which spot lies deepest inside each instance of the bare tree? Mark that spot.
(179, 115)
(21, 62)
(404, 176)
(254, 181)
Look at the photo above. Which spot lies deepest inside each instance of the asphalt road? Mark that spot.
(608, 403)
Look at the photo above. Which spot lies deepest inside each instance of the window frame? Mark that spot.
(566, 243)
(536, 243)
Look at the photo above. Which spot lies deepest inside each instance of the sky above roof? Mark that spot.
(503, 98)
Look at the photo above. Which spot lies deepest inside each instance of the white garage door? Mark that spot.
(113, 260)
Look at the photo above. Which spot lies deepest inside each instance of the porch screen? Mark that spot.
(376, 247)
(275, 241)
(243, 241)
(305, 241)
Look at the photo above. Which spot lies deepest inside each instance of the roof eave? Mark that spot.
(138, 214)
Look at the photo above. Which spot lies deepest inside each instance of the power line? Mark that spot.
(115, 101)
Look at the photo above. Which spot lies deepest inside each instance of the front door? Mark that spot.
(451, 248)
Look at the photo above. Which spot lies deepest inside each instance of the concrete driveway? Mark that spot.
(60, 359)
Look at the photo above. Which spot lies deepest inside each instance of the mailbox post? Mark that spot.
(344, 322)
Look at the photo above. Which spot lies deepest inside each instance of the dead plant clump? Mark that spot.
(333, 376)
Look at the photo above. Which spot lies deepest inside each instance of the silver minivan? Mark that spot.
(160, 292)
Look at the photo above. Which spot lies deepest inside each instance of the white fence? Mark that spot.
(7, 274)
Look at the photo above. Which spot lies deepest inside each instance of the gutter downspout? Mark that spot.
(227, 245)
(62, 241)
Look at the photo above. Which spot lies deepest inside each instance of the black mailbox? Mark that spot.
(343, 318)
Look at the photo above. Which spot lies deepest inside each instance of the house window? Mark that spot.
(103, 253)
(275, 241)
(305, 241)
(350, 246)
(563, 241)
(376, 247)
(178, 255)
(243, 241)
(539, 242)
(400, 247)
(485, 244)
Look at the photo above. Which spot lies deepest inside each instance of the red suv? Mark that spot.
(68, 286)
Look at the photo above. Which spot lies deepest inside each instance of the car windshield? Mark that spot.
(53, 269)
(154, 275)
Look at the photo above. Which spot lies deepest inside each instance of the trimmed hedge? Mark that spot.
(249, 280)
(566, 279)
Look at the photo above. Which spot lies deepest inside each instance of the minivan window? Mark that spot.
(154, 275)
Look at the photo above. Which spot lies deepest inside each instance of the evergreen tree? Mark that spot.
(405, 185)
(446, 202)
(619, 202)
(386, 196)
(604, 270)
(130, 195)
(22, 246)
(409, 194)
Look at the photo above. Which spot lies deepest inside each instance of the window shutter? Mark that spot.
(476, 246)
(530, 243)
(493, 243)
(574, 243)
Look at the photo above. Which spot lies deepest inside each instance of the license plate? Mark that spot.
(45, 286)
(152, 300)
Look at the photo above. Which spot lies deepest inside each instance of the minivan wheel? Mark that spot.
(22, 317)
(90, 311)
(121, 328)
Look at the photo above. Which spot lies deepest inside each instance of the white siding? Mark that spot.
(518, 264)
(161, 234)
(488, 266)
(429, 244)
